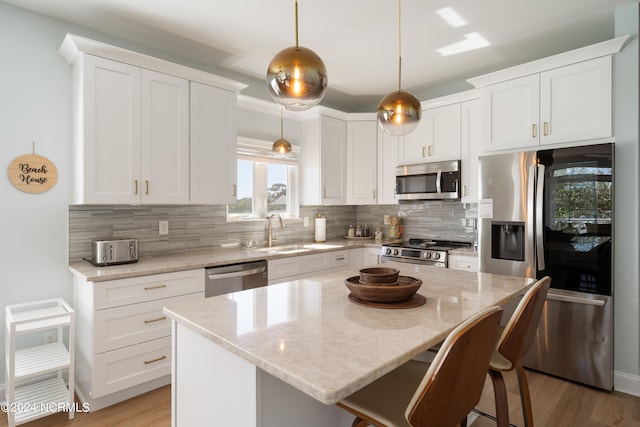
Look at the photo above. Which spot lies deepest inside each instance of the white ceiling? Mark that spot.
(357, 39)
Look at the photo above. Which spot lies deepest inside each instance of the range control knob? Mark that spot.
(388, 252)
(436, 255)
(427, 255)
(395, 252)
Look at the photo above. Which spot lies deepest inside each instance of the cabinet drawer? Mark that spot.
(130, 366)
(285, 267)
(339, 259)
(133, 324)
(461, 262)
(114, 293)
(315, 262)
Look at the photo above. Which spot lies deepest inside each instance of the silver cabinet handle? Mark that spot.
(423, 154)
(533, 130)
(148, 288)
(545, 128)
(159, 319)
(136, 181)
(146, 182)
(235, 190)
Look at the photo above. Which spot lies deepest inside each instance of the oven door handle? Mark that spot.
(438, 184)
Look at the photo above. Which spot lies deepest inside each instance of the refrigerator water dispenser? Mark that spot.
(507, 240)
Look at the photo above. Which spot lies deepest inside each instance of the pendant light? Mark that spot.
(297, 77)
(281, 147)
(399, 112)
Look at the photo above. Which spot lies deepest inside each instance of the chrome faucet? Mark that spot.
(270, 238)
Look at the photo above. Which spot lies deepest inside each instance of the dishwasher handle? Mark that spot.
(241, 273)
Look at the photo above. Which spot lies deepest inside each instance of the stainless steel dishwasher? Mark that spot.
(235, 277)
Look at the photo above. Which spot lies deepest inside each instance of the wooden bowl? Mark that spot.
(404, 289)
(379, 276)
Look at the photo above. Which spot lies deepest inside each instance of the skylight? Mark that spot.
(452, 17)
(471, 41)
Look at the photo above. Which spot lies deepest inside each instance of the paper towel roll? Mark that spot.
(321, 230)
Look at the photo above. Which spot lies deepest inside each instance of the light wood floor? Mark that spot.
(556, 403)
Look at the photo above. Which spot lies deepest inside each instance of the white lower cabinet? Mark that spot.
(463, 262)
(301, 266)
(124, 339)
(363, 257)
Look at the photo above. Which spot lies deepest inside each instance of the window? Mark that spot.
(266, 184)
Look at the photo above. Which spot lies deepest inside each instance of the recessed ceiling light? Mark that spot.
(471, 41)
(452, 17)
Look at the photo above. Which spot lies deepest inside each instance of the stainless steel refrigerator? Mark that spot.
(550, 213)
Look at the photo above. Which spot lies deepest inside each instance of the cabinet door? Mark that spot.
(165, 139)
(108, 170)
(413, 147)
(471, 118)
(511, 112)
(388, 149)
(575, 102)
(362, 162)
(443, 132)
(213, 145)
(333, 135)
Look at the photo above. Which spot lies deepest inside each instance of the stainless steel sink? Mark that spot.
(293, 249)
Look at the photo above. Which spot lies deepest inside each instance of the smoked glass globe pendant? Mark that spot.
(282, 147)
(297, 77)
(399, 112)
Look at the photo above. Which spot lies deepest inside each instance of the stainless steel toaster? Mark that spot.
(111, 252)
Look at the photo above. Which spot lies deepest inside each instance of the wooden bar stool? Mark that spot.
(514, 342)
(439, 394)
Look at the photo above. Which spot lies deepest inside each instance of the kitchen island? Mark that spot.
(282, 355)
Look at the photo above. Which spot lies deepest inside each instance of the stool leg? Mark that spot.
(359, 422)
(500, 396)
(527, 411)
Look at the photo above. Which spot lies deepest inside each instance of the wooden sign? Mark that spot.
(32, 173)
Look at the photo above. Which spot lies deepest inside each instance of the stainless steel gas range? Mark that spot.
(433, 253)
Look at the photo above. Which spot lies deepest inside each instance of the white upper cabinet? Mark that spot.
(333, 134)
(471, 115)
(570, 103)
(511, 113)
(436, 138)
(213, 145)
(388, 149)
(575, 102)
(136, 135)
(362, 148)
(164, 150)
(324, 161)
(132, 128)
(556, 100)
(107, 140)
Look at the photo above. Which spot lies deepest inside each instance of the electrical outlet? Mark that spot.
(163, 227)
(50, 337)
(387, 220)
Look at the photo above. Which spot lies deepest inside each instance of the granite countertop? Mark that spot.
(157, 264)
(310, 335)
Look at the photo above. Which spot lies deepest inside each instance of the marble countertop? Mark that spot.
(308, 334)
(147, 265)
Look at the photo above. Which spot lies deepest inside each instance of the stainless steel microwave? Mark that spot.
(428, 181)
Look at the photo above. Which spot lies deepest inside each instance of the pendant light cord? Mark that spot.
(281, 125)
(399, 47)
(296, 24)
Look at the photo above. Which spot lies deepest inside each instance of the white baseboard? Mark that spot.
(626, 383)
